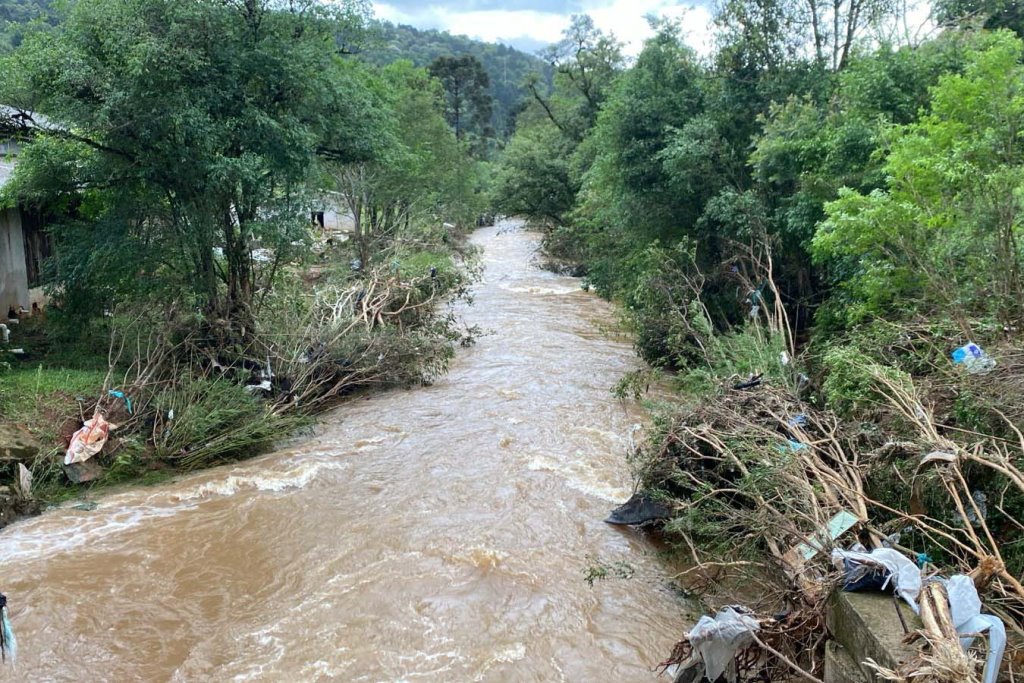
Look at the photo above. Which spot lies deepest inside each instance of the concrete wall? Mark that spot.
(13, 275)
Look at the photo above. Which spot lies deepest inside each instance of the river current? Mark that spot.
(440, 533)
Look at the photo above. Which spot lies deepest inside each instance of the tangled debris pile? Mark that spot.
(763, 486)
(184, 392)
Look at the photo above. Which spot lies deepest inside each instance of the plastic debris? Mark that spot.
(864, 577)
(784, 358)
(8, 643)
(840, 523)
(754, 381)
(24, 480)
(718, 640)
(903, 575)
(974, 359)
(965, 608)
(88, 441)
(980, 500)
(262, 386)
(791, 446)
(639, 509)
(5, 333)
(87, 506)
(121, 395)
(797, 420)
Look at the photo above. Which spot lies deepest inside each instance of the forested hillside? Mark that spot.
(14, 14)
(507, 67)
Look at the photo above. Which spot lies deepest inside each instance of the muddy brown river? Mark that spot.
(435, 534)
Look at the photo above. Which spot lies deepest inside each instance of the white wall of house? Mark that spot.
(13, 275)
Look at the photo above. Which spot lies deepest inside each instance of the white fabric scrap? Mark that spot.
(717, 640)
(24, 480)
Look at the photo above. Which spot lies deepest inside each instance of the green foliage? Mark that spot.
(945, 234)
(507, 68)
(990, 14)
(599, 570)
(467, 101)
(214, 420)
(423, 175)
(182, 130)
(15, 15)
(854, 381)
(536, 178)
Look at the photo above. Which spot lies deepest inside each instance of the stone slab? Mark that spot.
(16, 444)
(839, 665)
(867, 625)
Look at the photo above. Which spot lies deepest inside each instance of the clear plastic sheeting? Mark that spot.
(965, 608)
(718, 640)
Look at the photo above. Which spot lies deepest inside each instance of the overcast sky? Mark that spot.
(531, 24)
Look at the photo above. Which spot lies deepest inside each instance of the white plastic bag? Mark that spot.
(717, 640)
(903, 574)
(965, 608)
(24, 481)
(88, 441)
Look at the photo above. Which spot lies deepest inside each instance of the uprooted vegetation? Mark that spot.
(765, 449)
(185, 392)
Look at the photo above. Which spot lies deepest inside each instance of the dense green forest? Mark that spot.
(381, 44)
(16, 14)
(817, 235)
(814, 234)
(508, 68)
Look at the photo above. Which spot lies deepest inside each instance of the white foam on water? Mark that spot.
(295, 478)
(67, 529)
(581, 476)
(561, 290)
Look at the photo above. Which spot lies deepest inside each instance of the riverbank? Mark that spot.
(438, 533)
(179, 394)
(769, 453)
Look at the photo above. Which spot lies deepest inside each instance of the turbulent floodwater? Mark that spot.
(436, 534)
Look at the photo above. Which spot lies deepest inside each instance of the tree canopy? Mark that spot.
(178, 131)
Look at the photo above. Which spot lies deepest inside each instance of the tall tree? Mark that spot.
(421, 176)
(585, 61)
(182, 135)
(468, 103)
(825, 30)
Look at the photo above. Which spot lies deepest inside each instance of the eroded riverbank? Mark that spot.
(434, 534)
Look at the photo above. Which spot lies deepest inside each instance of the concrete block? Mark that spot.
(867, 625)
(839, 665)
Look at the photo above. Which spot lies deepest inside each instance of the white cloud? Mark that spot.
(625, 18)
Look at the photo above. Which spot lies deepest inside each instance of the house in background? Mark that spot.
(24, 245)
